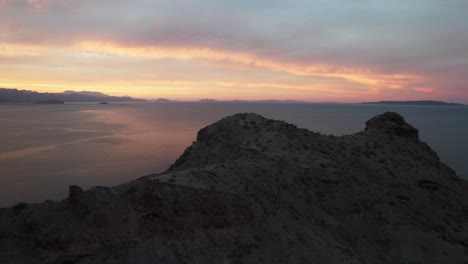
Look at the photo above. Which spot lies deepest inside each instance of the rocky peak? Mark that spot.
(255, 190)
(391, 123)
(221, 140)
(74, 193)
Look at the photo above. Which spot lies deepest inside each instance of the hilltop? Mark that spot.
(255, 190)
(26, 96)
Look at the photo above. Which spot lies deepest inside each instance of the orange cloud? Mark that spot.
(19, 50)
(356, 75)
(425, 89)
(87, 66)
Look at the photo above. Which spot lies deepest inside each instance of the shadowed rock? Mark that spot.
(393, 124)
(255, 190)
(74, 194)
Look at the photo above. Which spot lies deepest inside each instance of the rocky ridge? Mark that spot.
(255, 190)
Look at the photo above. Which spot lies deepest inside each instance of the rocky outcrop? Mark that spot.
(255, 190)
(392, 124)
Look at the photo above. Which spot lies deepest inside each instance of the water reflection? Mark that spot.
(46, 148)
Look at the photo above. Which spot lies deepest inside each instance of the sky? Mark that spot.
(313, 50)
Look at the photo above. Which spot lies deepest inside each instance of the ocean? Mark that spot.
(46, 148)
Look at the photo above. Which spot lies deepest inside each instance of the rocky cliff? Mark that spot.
(254, 190)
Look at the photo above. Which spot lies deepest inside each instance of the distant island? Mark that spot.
(49, 102)
(423, 102)
(267, 101)
(26, 96)
(207, 100)
(162, 100)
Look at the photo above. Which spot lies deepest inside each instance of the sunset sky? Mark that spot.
(314, 50)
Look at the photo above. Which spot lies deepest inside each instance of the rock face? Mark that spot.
(391, 123)
(254, 190)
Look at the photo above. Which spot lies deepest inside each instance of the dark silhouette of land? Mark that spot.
(207, 100)
(26, 96)
(162, 100)
(422, 102)
(50, 102)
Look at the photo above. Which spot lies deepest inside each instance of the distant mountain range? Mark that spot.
(423, 102)
(209, 100)
(255, 101)
(25, 96)
(287, 101)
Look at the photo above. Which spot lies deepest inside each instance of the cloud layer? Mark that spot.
(314, 50)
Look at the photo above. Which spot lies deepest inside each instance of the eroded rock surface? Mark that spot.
(254, 190)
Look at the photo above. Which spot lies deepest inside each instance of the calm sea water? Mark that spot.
(46, 148)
